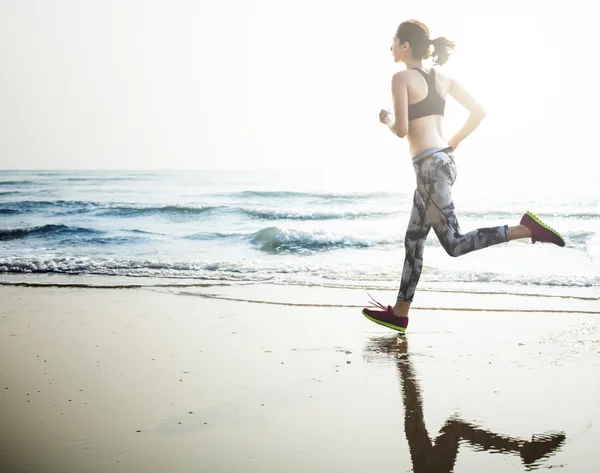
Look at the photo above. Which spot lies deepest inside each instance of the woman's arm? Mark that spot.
(398, 122)
(476, 115)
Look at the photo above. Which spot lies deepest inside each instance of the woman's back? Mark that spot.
(426, 108)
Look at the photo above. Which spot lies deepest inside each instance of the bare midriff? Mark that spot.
(425, 133)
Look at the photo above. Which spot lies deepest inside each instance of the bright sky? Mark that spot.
(193, 84)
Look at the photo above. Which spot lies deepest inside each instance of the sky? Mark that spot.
(253, 84)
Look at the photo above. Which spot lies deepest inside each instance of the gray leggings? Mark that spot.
(433, 207)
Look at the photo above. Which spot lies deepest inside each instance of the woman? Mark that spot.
(419, 99)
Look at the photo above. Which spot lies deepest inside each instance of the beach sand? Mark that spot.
(209, 380)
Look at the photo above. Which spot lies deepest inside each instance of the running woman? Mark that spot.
(419, 96)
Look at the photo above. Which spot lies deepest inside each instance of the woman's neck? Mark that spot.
(413, 63)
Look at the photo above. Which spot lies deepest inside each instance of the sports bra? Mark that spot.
(433, 104)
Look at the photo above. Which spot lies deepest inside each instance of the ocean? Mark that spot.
(297, 228)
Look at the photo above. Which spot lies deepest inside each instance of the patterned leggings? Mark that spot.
(433, 207)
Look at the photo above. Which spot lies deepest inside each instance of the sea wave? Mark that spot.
(277, 240)
(436, 275)
(68, 207)
(319, 195)
(284, 240)
(71, 207)
(31, 206)
(207, 236)
(16, 183)
(132, 210)
(288, 273)
(43, 230)
(277, 211)
(8, 211)
(579, 239)
(105, 179)
(127, 267)
(114, 240)
(62, 177)
(297, 215)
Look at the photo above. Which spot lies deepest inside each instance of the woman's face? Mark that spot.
(397, 50)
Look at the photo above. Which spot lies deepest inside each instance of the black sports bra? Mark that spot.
(433, 104)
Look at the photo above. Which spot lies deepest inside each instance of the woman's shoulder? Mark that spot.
(400, 75)
(440, 73)
(443, 77)
(406, 76)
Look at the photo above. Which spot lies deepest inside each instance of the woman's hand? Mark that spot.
(385, 116)
(453, 143)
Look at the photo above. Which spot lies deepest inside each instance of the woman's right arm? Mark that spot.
(398, 121)
(476, 115)
(400, 97)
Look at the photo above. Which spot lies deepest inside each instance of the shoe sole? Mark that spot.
(385, 324)
(547, 227)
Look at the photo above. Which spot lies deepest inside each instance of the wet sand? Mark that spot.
(109, 380)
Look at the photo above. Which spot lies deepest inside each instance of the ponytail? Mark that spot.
(441, 50)
(416, 33)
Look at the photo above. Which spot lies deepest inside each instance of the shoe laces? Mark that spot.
(374, 303)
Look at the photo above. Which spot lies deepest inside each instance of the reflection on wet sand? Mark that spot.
(440, 455)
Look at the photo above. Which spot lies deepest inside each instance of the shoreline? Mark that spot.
(126, 381)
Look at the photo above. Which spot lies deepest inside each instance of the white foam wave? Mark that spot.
(275, 239)
(282, 272)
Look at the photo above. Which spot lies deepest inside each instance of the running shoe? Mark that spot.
(385, 316)
(540, 231)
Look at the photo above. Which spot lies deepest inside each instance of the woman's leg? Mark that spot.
(414, 245)
(416, 233)
(435, 178)
(433, 207)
